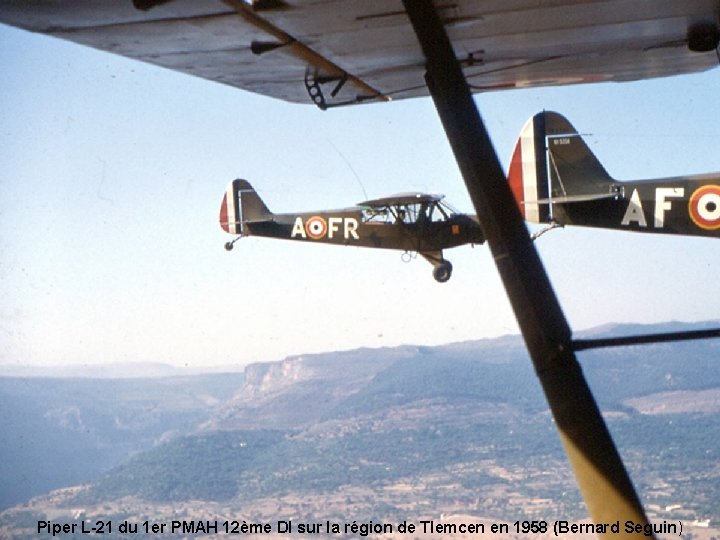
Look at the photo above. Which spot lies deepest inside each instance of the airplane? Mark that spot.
(348, 52)
(411, 222)
(557, 180)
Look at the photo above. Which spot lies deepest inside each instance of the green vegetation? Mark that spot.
(209, 466)
(63, 432)
(454, 428)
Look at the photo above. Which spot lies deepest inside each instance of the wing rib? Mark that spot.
(301, 51)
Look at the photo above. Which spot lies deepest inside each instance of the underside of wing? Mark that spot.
(338, 52)
(402, 199)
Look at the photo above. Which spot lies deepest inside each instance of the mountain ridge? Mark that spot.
(409, 431)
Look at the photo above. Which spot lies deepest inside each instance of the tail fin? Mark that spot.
(552, 164)
(240, 204)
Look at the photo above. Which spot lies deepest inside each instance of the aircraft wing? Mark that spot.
(336, 52)
(402, 198)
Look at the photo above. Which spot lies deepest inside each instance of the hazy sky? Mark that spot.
(111, 178)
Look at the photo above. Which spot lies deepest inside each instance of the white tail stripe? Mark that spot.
(231, 209)
(529, 173)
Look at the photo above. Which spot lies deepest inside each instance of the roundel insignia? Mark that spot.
(316, 227)
(704, 207)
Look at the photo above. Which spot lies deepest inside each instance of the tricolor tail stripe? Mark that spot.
(528, 171)
(229, 210)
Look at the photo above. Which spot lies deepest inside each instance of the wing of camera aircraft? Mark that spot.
(340, 52)
(556, 179)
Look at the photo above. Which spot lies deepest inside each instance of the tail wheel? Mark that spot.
(229, 245)
(442, 271)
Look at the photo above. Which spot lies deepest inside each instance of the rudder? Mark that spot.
(552, 163)
(528, 171)
(241, 203)
(574, 169)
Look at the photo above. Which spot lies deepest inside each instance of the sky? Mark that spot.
(111, 178)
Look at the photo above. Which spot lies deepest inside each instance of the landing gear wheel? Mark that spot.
(442, 272)
(229, 245)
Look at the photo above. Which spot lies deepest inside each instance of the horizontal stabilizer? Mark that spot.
(241, 204)
(256, 221)
(552, 164)
(569, 199)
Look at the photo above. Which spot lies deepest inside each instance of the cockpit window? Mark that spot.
(421, 212)
(446, 209)
(376, 215)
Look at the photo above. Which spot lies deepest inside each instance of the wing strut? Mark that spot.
(601, 475)
(316, 63)
(665, 337)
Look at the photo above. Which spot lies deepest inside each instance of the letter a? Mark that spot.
(634, 211)
(298, 228)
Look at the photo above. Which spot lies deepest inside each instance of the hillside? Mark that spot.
(394, 434)
(61, 432)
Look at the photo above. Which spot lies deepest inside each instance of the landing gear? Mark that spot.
(538, 234)
(229, 245)
(442, 271)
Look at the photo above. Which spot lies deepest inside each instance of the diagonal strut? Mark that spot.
(601, 475)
